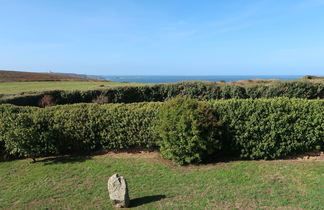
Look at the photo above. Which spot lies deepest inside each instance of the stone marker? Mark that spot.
(118, 191)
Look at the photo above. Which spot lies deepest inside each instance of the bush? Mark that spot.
(76, 129)
(28, 135)
(306, 90)
(269, 129)
(189, 131)
(7, 117)
(127, 126)
(162, 92)
(47, 100)
(91, 127)
(101, 100)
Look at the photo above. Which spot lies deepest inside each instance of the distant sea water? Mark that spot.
(172, 79)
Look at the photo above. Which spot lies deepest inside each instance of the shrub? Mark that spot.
(128, 126)
(76, 129)
(233, 91)
(101, 100)
(47, 100)
(189, 131)
(269, 129)
(28, 135)
(162, 92)
(90, 127)
(7, 117)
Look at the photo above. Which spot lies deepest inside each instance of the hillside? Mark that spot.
(83, 76)
(18, 76)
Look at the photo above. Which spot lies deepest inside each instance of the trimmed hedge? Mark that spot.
(252, 129)
(162, 92)
(74, 129)
(271, 128)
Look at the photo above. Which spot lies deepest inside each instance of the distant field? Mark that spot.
(81, 183)
(15, 82)
(19, 76)
(19, 87)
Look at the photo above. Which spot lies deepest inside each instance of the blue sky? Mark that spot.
(166, 37)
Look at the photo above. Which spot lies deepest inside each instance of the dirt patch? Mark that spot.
(310, 156)
(277, 178)
(148, 155)
(140, 154)
(155, 157)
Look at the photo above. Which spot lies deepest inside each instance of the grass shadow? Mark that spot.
(146, 199)
(63, 160)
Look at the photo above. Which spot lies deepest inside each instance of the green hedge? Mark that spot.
(190, 131)
(252, 129)
(162, 92)
(271, 128)
(75, 129)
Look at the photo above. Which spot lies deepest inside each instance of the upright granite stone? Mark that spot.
(118, 191)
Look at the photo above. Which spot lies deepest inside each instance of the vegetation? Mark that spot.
(190, 132)
(184, 130)
(20, 89)
(81, 183)
(253, 129)
(269, 129)
(19, 76)
(29, 137)
(82, 128)
(162, 92)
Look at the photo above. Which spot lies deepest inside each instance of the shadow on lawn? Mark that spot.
(65, 159)
(146, 199)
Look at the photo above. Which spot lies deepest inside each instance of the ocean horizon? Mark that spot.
(179, 78)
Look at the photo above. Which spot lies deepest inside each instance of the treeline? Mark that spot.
(184, 130)
(163, 92)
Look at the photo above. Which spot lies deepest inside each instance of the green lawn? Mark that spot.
(18, 87)
(80, 183)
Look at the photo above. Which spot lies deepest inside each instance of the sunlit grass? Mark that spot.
(81, 183)
(19, 87)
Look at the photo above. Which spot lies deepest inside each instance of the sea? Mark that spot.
(172, 79)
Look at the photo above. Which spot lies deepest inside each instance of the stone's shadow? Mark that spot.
(146, 199)
(62, 160)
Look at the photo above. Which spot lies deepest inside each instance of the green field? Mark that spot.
(19, 87)
(81, 183)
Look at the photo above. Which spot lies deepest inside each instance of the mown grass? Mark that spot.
(19, 87)
(80, 183)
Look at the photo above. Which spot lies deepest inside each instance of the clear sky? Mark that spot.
(163, 37)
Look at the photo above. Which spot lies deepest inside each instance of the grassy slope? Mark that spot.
(79, 183)
(18, 76)
(15, 82)
(18, 87)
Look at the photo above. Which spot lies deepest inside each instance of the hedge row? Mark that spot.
(75, 129)
(271, 128)
(251, 129)
(162, 92)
